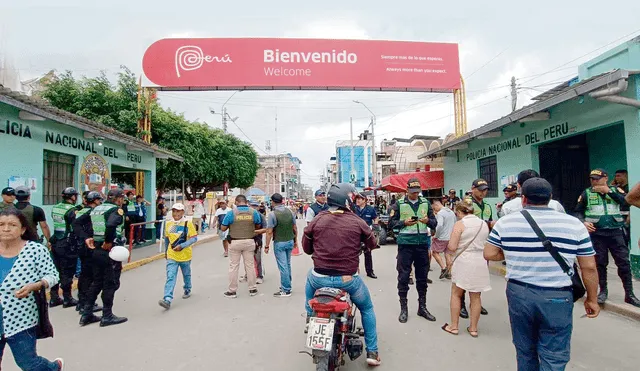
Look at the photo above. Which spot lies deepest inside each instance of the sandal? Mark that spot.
(450, 330)
(472, 333)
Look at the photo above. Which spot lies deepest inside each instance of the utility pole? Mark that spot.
(352, 173)
(277, 130)
(224, 119)
(514, 94)
(373, 152)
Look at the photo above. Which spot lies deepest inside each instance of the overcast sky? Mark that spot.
(541, 43)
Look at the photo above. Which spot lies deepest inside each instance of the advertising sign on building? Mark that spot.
(267, 63)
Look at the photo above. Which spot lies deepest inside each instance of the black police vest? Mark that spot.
(317, 208)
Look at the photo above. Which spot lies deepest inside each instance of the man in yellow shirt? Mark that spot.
(179, 235)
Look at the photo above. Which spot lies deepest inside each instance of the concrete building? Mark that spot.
(591, 121)
(279, 174)
(47, 149)
(401, 155)
(361, 174)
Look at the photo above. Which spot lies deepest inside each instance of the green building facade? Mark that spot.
(592, 121)
(47, 149)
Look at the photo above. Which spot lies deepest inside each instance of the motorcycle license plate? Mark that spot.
(320, 335)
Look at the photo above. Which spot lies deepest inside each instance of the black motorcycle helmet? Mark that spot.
(69, 192)
(342, 195)
(115, 194)
(93, 196)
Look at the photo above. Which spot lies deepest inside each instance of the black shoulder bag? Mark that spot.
(576, 282)
(44, 329)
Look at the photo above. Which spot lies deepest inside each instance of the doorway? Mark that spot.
(565, 164)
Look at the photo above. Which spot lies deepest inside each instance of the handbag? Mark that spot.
(44, 329)
(577, 285)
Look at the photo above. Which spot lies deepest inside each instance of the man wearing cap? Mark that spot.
(539, 292)
(8, 198)
(243, 224)
(107, 221)
(599, 209)
(510, 193)
(369, 215)
(179, 233)
(515, 205)
(412, 217)
(451, 199)
(281, 227)
(35, 215)
(318, 206)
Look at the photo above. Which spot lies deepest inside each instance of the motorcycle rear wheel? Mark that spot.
(326, 363)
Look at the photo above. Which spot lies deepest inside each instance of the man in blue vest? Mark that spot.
(412, 217)
(318, 206)
(599, 209)
(370, 216)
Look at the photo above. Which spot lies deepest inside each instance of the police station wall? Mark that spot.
(22, 146)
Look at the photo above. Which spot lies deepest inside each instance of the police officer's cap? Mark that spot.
(115, 193)
(69, 191)
(9, 191)
(93, 196)
(597, 174)
(510, 188)
(413, 185)
(480, 184)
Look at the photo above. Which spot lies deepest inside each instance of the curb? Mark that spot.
(145, 261)
(622, 309)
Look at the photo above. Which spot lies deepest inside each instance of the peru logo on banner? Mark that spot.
(257, 63)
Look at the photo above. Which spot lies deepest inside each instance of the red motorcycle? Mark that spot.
(332, 330)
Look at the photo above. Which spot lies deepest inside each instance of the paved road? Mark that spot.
(258, 333)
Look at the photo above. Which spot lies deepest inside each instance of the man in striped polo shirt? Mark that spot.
(539, 293)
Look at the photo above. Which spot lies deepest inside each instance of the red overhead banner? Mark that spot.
(231, 63)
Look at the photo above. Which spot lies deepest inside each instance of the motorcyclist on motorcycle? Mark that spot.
(333, 239)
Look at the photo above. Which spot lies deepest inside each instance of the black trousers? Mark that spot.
(106, 279)
(65, 261)
(368, 261)
(617, 246)
(418, 256)
(86, 277)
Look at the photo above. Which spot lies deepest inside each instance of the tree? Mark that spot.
(211, 157)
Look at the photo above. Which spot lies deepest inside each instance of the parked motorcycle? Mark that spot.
(332, 330)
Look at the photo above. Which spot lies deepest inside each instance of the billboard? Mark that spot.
(314, 64)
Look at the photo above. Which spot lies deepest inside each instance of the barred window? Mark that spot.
(59, 173)
(488, 170)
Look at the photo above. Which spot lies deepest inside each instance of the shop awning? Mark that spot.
(428, 180)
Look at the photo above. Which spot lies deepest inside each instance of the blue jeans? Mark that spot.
(23, 347)
(172, 273)
(359, 295)
(282, 251)
(541, 325)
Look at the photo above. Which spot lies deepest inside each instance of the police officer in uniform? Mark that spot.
(621, 182)
(64, 254)
(318, 206)
(81, 231)
(106, 221)
(370, 216)
(129, 207)
(599, 209)
(412, 217)
(510, 193)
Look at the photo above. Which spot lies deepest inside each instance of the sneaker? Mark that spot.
(60, 363)
(186, 295)
(429, 280)
(282, 294)
(243, 279)
(253, 292)
(373, 359)
(443, 274)
(226, 254)
(164, 303)
(259, 281)
(230, 295)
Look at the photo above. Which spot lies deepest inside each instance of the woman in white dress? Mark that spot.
(469, 270)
